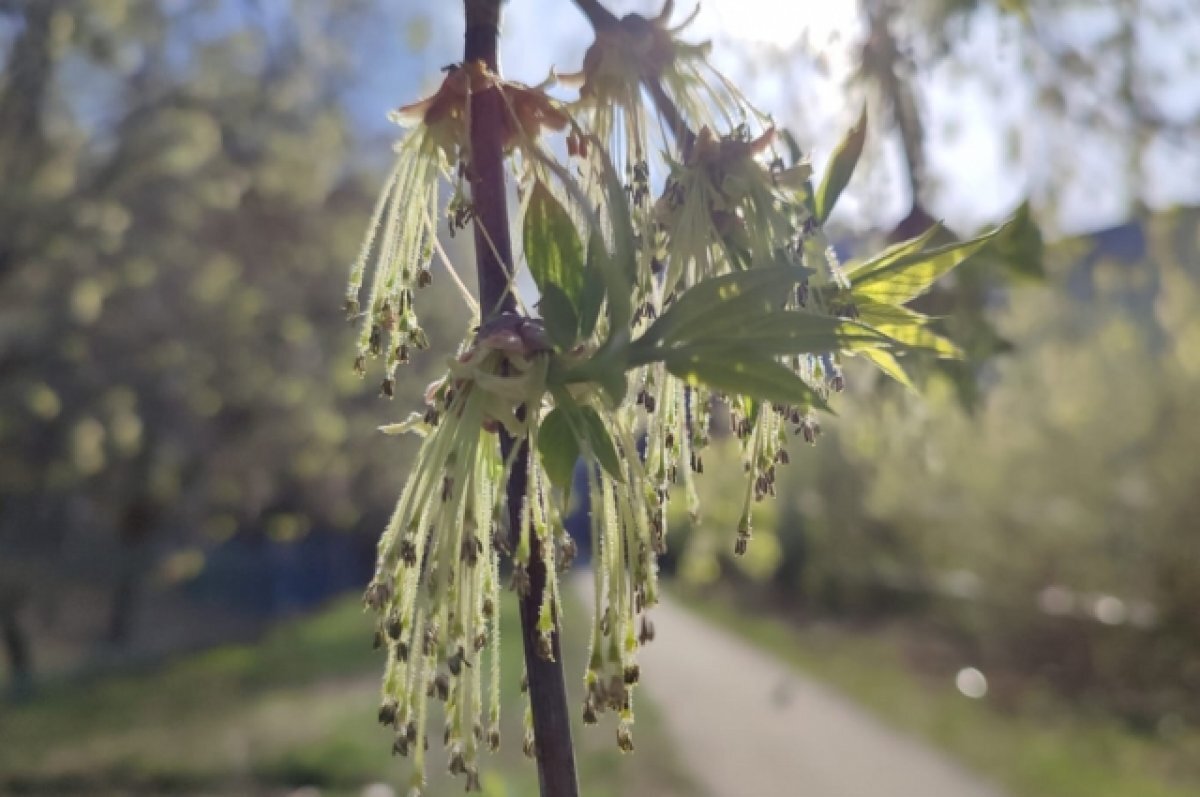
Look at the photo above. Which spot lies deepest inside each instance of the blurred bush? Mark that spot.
(179, 200)
(1049, 531)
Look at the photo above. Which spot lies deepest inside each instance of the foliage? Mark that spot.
(1087, 113)
(280, 714)
(1038, 746)
(723, 289)
(172, 203)
(1046, 533)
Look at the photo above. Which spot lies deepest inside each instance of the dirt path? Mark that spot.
(747, 725)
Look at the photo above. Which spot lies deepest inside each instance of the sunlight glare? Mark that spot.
(782, 22)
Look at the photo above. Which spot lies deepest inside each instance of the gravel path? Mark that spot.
(747, 725)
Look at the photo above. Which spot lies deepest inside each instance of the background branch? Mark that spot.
(601, 18)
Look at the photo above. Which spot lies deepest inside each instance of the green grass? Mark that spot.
(298, 708)
(1043, 748)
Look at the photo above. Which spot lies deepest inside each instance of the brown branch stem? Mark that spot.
(882, 60)
(596, 13)
(494, 263)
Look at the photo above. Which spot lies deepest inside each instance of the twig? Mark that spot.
(601, 18)
(493, 257)
(684, 137)
(596, 13)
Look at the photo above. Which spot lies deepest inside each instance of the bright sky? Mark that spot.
(778, 22)
(978, 181)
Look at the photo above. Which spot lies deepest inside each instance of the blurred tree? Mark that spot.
(1086, 107)
(1089, 98)
(1050, 533)
(177, 203)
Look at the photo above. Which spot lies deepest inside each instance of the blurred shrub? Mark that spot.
(180, 192)
(1051, 531)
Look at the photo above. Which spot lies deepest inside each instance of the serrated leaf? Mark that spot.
(841, 167)
(562, 325)
(877, 314)
(615, 385)
(907, 277)
(795, 154)
(739, 372)
(788, 332)
(552, 247)
(893, 253)
(907, 327)
(722, 296)
(925, 339)
(620, 266)
(885, 361)
(558, 448)
(593, 286)
(600, 443)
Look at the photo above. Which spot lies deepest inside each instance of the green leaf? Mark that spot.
(740, 372)
(558, 315)
(789, 332)
(907, 327)
(729, 296)
(614, 384)
(1021, 248)
(795, 154)
(887, 362)
(893, 253)
(620, 266)
(877, 314)
(925, 339)
(907, 277)
(601, 443)
(593, 286)
(552, 246)
(558, 448)
(841, 167)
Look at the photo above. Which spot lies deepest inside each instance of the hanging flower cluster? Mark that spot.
(705, 286)
(437, 583)
(434, 152)
(728, 202)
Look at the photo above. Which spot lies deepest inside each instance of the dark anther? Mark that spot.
(377, 595)
(646, 633)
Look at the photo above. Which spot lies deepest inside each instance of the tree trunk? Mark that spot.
(16, 646)
(136, 529)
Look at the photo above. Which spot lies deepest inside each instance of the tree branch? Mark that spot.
(684, 136)
(494, 262)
